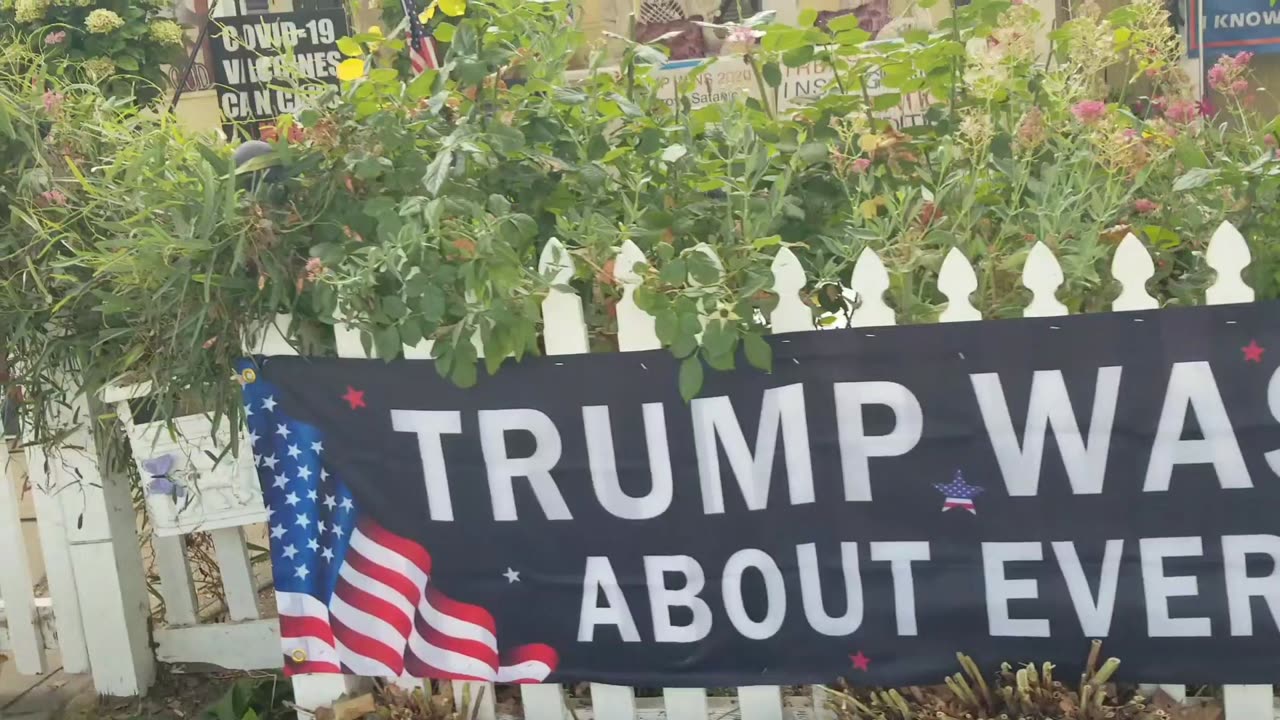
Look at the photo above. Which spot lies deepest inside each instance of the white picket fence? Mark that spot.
(244, 640)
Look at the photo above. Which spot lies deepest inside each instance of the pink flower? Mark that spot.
(1144, 206)
(1269, 141)
(1130, 134)
(743, 34)
(1218, 76)
(53, 102)
(861, 165)
(315, 268)
(1242, 60)
(1089, 111)
(55, 38)
(51, 197)
(1181, 111)
(1239, 87)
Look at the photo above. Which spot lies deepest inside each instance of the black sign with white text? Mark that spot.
(258, 60)
(883, 499)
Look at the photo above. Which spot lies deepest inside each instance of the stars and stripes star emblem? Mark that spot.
(354, 597)
(959, 494)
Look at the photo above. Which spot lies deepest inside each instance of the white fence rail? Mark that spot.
(247, 641)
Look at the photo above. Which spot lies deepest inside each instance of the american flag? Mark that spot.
(353, 597)
(422, 49)
(959, 494)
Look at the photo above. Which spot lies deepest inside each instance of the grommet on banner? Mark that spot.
(248, 376)
(299, 656)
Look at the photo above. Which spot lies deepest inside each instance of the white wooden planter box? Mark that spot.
(220, 491)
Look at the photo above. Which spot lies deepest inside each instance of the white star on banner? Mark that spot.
(330, 502)
(311, 494)
(248, 411)
(321, 526)
(302, 572)
(317, 447)
(253, 438)
(289, 551)
(327, 554)
(269, 404)
(346, 504)
(303, 521)
(312, 544)
(270, 461)
(283, 431)
(324, 474)
(294, 452)
(337, 530)
(304, 473)
(280, 482)
(277, 532)
(512, 576)
(291, 499)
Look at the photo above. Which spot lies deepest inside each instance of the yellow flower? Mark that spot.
(350, 69)
(375, 30)
(453, 8)
(429, 13)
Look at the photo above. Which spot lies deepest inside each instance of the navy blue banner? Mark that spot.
(885, 498)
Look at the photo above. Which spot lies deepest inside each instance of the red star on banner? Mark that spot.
(354, 398)
(1253, 352)
(860, 662)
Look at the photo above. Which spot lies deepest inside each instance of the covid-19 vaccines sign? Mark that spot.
(262, 63)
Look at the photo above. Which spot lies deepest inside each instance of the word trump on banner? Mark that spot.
(1008, 488)
(260, 61)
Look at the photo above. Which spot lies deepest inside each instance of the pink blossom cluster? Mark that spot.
(1089, 112)
(1227, 76)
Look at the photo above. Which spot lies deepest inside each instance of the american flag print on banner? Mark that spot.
(353, 597)
(422, 49)
(959, 494)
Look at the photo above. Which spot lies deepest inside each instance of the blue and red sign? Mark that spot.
(1233, 25)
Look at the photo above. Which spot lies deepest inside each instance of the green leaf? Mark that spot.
(1194, 178)
(674, 272)
(798, 56)
(764, 242)
(125, 62)
(444, 32)
(421, 85)
(808, 17)
(384, 75)
(844, 22)
(812, 152)
(674, 153)
(666, 326)
(349, 47)
(772, 74)
(690, 377)
(386, 342)
(759, 352)
(437, 171)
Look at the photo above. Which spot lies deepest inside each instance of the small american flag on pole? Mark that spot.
(354, 597)
(422, 49)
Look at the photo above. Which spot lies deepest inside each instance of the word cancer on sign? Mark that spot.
(1008, 488)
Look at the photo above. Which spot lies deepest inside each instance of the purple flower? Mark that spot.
(55, 38)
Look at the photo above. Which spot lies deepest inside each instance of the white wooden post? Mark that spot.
(55, 545)
(309, 691)
(176, 586)
(1132, 268)
(868, 283)
(101, 528)
(16, 587)
(1228, 254)
(635, 332)
(236, 572)
(957, 281)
